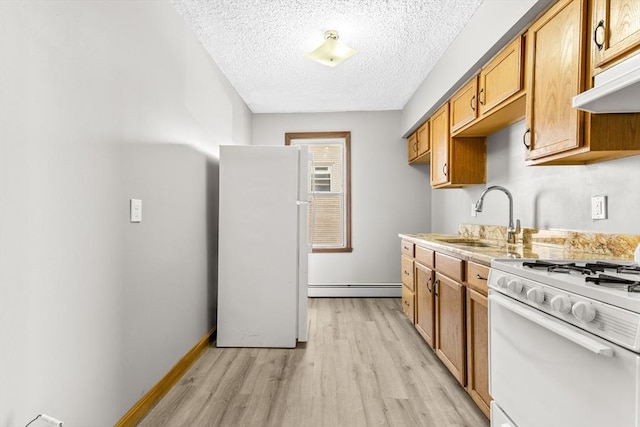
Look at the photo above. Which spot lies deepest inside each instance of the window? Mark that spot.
(329, 184)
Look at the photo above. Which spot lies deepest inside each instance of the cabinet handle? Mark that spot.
(479, 277)
(445, 169)
(524, 139)
(415, 146)
(429, 288)
(406, 272)
(472, 102)
(481, 98)
(435, 287)
(599, 31)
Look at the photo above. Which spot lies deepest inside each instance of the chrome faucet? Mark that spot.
(511, 230)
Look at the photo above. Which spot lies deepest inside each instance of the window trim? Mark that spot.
(346, 136)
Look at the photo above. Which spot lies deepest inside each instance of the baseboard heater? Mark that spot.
(355, 290)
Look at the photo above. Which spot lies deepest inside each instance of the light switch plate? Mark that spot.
(136, 210)
(599, 207)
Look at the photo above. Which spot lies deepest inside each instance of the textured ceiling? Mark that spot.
(260, 46)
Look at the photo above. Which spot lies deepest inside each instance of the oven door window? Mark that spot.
(544, 372)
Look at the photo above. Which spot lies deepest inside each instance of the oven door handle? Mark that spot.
(565, 332)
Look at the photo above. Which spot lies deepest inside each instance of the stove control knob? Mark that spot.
(561, 304)
(535, 295)
(584, 311)
(502, 282)
(515, 286)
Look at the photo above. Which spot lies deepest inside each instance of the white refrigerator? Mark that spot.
(263, 246)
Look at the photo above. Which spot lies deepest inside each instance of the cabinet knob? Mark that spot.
(524, 139)
(599, 35)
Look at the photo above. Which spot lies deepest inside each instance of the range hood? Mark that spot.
(616, 90)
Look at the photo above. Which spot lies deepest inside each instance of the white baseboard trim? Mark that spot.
(355, 290)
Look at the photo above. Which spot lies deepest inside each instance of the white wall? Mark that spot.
(556, 197)
(388, 197)
(100, 102)
(490, 28)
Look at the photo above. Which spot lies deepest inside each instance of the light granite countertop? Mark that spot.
(531, 243)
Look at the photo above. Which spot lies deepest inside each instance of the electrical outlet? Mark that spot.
(599, 207)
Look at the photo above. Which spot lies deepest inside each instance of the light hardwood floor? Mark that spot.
(364, 365)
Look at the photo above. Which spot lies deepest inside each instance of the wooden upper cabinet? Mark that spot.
(556, 68)
(555, 75)
(615, 31)
(494, 99)
(419, 146)
(412, 147)
(464, 105)
(440, 146)
(502, 77)
(423, 139)
(455, 162)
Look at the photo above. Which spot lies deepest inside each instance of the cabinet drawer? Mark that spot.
(407, 272)
(424, 256)
(477, 276)
(408, 303)
(450, 266)
(407, 248)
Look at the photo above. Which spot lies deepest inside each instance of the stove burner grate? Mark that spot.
(615, 282)
(554, 267)
(588, 268)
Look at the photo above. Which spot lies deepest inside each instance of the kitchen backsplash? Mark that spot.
(618, 245)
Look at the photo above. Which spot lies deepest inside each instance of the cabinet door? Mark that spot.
(408, 303)
(615, 26)
(463, 105)
(412, 147)
(450, 326)
(425, 303)
(440, 146)
(556, 55)
(501, 78)
(478, 350)
(423, 139)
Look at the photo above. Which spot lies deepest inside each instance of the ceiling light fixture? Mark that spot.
(331, 52)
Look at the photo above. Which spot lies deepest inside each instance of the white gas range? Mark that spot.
(564, 343)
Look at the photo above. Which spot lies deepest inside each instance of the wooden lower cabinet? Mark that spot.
(478, 350)
(450, 325)
(408, 286)
(425, 303)
(446, 300)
